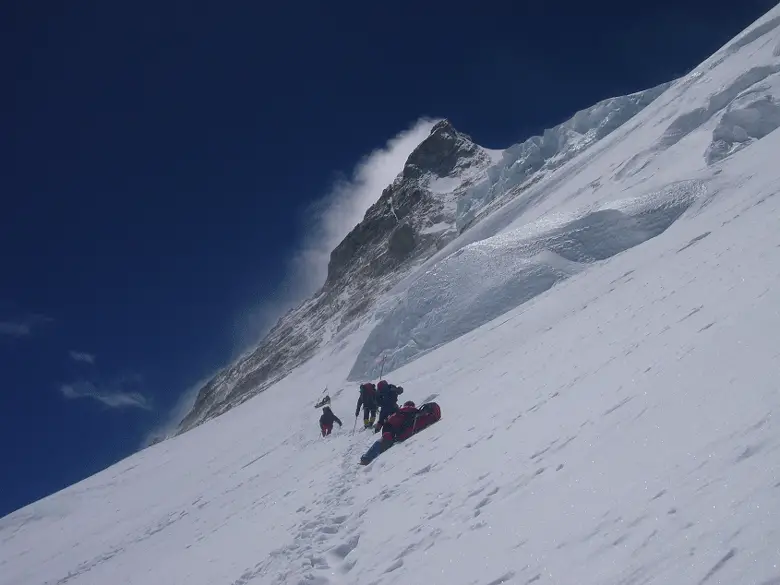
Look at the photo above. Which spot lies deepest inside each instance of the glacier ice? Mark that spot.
(518, 163)
(483, 280)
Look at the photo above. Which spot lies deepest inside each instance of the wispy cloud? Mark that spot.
(21, 326)
(113, 396)
(327, 222)
(81, 356)
(14, 329)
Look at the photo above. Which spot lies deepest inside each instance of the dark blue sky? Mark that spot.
(157, 157)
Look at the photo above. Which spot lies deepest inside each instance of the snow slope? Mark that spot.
(619, 427)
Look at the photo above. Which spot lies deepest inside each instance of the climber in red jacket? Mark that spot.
(401, 425)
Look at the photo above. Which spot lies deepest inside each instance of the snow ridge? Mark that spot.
(484, 280)
(530, 160)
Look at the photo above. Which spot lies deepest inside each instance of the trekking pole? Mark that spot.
(382, 367)
(354, 426)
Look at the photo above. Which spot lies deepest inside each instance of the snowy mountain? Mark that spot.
(603, 346)
(447, 185)
(412, 219)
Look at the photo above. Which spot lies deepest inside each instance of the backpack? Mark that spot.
(368, 392)
(388, 395)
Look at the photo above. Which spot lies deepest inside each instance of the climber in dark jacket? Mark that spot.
(326, 421)
(367, 400)
(387, 399)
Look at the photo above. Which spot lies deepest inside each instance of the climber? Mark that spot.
(367, 400)
(387, 400)
(401, 425)
(326, 421)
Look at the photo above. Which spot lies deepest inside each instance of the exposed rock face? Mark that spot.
(393, 229)
(445, 152)
(402, 242)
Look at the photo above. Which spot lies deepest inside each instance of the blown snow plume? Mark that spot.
(169, 421)
(344, 207)
(326, 222)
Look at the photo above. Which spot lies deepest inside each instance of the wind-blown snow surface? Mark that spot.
(620, 427)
